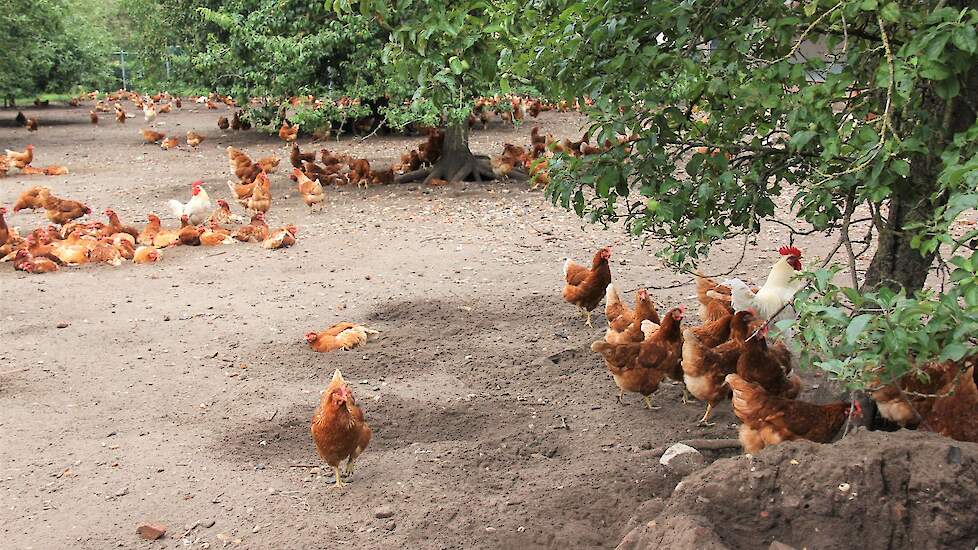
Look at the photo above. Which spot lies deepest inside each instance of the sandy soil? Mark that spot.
(182, 392)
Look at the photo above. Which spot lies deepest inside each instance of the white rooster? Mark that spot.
(149, 113)
(198, 208)
(778, 290)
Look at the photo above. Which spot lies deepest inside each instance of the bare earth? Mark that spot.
(181, 392)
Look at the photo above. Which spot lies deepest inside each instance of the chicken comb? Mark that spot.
(789, 251)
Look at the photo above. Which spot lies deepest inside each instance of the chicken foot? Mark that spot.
(648, 403)
(339, 482)
(349, 468)
(709, 409)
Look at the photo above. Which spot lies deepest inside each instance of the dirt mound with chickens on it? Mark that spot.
(884, 490)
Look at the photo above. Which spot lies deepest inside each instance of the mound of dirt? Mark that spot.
(884, 490)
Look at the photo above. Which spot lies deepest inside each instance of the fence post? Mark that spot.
(122, 62)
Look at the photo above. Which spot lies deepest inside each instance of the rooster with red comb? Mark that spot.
(778, 290)
(197, 209)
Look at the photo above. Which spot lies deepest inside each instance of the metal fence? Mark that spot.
(135, 71)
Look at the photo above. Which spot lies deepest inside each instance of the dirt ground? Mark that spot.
(181, 392)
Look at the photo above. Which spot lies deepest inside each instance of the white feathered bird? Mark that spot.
(198, 208)
(149, 113)
(778, 290)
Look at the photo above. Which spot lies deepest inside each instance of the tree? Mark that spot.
(50, 46)
(443, 56)
(727, 105)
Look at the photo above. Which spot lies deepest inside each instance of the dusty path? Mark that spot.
(182, 392)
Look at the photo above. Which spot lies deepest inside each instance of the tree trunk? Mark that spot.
(896, 264)
(457, 163)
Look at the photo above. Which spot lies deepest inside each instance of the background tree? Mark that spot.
(444, 55)
(728, 111)
(51, 46)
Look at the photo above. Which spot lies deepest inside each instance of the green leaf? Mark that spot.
(891, 12)
(964, 38)
(800, 139)
(856, 327)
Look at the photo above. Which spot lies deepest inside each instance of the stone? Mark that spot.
(383, 512)
(151, 531)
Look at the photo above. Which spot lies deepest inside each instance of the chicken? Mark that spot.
(115, 225)
(236, 121)
(311, 190)
(149, 113)
(382, 177)
(288, 133)
(281, 238)
(189, 234)
(31, 124)
(296, 157)
(710, 352)
(4, 230)
(55, 170)
(778, 291)
(120, 116)
(4, 165)
(169, 143)
(20, 119)
(222, 123)
(904, 403)
(104, 251)
(149, 233)
(93, 116)
(359, 171)
(30, 199)
(345, 336)
(124, 243)
(24, 261)
(255, 231)
(214, 234)
(20, 160)
(767, 366)
(222, 214)
(955, 414)
(243, 167)
(269, 164)
(194, 139)
(625, 325)
(713, 297)
(584, 287)
(769, 419)
(197, 208)
(152, 136)
(261, 195)
(639, 367)
(62, 211)
(338, 427)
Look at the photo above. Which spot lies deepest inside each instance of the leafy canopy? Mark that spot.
(51, 46)
(833, 105)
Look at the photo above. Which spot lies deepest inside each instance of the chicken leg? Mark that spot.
(349, 468)
(709, 409)
(648, 403)
(339, 482)
(621, 396)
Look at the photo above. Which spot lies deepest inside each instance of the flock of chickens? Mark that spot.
(730, 355)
